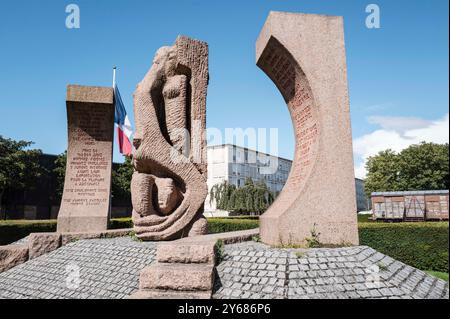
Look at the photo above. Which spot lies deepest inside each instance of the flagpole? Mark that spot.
(114, 77)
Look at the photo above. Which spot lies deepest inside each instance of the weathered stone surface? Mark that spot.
(168, 187)
(178, 277)
(43, 243)
(253, 271)
(12, 255)
(227, 238)
(157, 294)
(304, 55)
(109, 268)
(185, 252)
(198, 227)
(86, 198)
(67, 238)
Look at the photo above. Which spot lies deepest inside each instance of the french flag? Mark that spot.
(123, 124)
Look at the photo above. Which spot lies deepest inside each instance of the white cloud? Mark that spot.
(379, 107)
(397, 133)
(398, 124)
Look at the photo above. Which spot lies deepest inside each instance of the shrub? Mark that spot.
(421, 245)
(13, 230)
(221, 225)
(120, 223)
(250, 217)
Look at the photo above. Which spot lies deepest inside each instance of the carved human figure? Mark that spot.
(168, 190)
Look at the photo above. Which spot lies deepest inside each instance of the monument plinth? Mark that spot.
(85, 203)
(304, 55)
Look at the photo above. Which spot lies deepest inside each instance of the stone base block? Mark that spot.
(84, 224)
(67, 238)
(43, 243)
(179, 252)
(178, 277)
(159, 294)
(12, 255)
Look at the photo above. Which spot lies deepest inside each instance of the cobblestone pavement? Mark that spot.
(107, 268)
(253, 270)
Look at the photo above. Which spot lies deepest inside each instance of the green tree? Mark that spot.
(222, 195)
(60, 172)
(19, 166)
(121, 179)
(382, 172)
(423, 166)
(250, 198)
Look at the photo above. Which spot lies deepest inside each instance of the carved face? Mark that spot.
(161, 55)
(168, 195)
(166, 57)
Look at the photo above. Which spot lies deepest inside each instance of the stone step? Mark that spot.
(178, 277)
(164, 294)
(12, 255)
(186, 252)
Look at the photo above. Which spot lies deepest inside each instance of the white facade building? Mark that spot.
(235, 164)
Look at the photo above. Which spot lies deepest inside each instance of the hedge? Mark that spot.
(221, 225)
(120, 223)
(13, 230)
(215, 224)
(423, 245)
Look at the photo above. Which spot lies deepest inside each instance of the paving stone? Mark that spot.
(109, 268)
(46, 276)
(340, 273)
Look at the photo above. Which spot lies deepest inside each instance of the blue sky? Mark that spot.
(398, 74)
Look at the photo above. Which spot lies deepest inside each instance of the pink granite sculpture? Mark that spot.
(304, 55)
(168, 187)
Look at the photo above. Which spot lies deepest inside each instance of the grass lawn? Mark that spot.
(364, 218)
(438, 274)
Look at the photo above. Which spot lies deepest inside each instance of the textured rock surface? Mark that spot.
(169, 183)
(253, 270)
(304, 55)
(86, 198)
(109, 268)
(67, 238)
(184, 268)
(178, 277)
(183, 252)
(148, 294)
(12, 255)
(43, 243)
